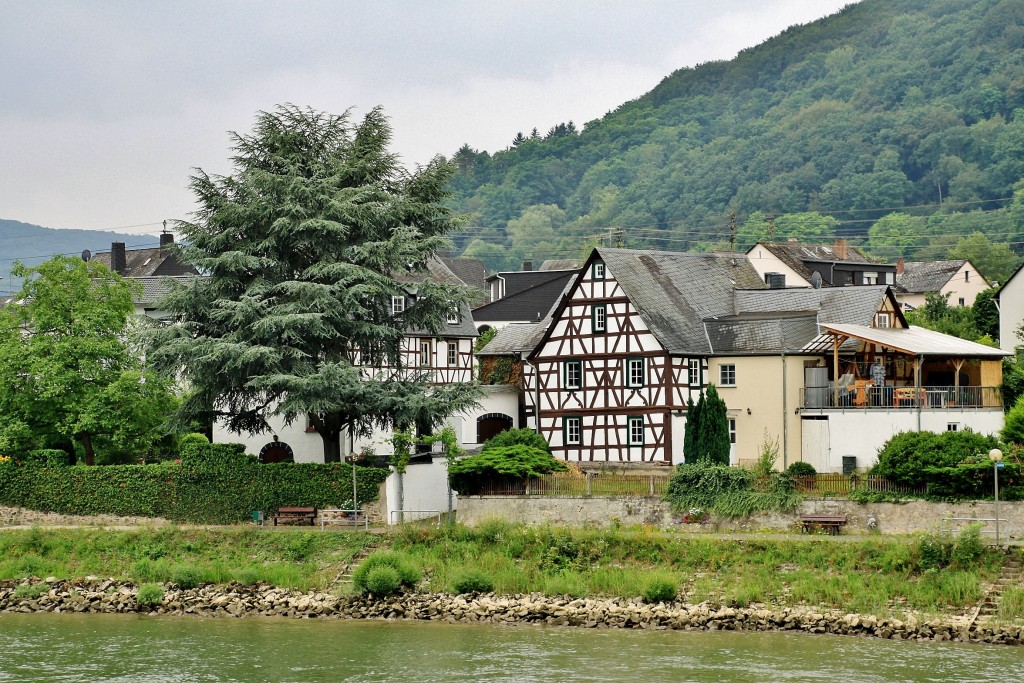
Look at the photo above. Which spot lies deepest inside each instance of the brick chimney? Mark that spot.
(118, 262)
(900, 266)
(841, 248)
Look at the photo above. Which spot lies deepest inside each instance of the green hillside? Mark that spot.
(33, 244)
(906, 107)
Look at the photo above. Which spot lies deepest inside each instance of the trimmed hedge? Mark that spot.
(217, 486)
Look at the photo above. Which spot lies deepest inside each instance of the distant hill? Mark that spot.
(889, 104)
(33, 244)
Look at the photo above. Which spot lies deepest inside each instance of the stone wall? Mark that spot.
(890, 518)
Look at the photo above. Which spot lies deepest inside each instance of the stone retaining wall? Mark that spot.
(109, 596)
(890, 518)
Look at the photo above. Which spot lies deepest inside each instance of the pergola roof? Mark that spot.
(915, 341)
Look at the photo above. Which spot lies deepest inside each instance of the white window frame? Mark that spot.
(693, 368)
(572, 428)
(599, 318)
(397, 305)
(636, 380)
(599, 272)
(952, 426)
(732, 431)
(727, 375)
(453, 316)
(453, 355)
(635, 430)
(570, 368)
(426, 353)
(882, 320)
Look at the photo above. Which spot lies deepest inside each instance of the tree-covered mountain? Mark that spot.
(33, 244)
(896, 123)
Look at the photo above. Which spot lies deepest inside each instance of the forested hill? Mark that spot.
(908, 111)
(33, 244)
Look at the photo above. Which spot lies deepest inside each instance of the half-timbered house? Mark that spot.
(625, 349)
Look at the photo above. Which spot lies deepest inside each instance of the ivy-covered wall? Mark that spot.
(210, 491)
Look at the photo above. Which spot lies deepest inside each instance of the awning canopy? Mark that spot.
(914, 341)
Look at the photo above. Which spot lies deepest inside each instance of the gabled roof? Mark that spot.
(437, 271)
(155, 288)
(470, 270)
(149, 262)
(920, 277)
(528, 304)
(797, 255)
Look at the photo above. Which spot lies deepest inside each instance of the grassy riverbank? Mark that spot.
(875, 576)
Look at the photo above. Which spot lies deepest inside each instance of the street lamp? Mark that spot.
(355, 493)
(996, 456)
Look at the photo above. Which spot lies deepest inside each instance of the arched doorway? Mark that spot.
(490, 425)
(276, 451)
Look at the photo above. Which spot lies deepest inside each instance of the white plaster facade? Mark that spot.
(764, 262)
(1011, 311)
(962, 288)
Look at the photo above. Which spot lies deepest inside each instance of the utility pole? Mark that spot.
(732, 231)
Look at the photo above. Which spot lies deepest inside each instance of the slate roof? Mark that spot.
(856, 305)
(470, 270)
(674, 292)
(761, 333)
(149, 262)
(528, 304)
(919, 277)
(155, 288)
(515, 338)
(560, 264)
(796, 255)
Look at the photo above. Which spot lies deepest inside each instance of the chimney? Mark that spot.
(166, 240)
(118, 263)
(900, 266)
(527, 265)
(841, 248)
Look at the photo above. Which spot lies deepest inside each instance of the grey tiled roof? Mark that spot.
(919, 277)
(758, 334)
(855, 305)
(149, 262)
(155, 288)
(674, 292)
(469, 270)
(528, 304)
(560, 264)
(515, 338)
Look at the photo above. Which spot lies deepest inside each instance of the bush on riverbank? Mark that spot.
(383, 573)
(728, 491)
(216, 484)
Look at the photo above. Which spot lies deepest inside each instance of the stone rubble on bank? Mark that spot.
(110, 596)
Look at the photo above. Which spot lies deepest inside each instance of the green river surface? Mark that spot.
(49, 647)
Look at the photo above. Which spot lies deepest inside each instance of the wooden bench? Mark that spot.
(809, 523)
(299, 515)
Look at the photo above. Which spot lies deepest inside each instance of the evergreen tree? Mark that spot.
(305, 245)
(712, 429)
(690, 435)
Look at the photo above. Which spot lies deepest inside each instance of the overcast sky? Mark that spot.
(106, 106)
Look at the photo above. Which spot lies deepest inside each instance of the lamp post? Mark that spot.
(996, 456)
(355, 501)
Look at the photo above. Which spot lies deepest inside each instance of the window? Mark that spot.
(397, 305)
(453, 354)
(694, 368)
(453, 316)
(871, 278)
(425, 352)
(882, 320)
(732, 430)
(967, 276)
(963, 301)
(636, 431)
(635, 374)
(952, 426)
(727, 375)
(598, 271)
(572, 374)
(599, 318)
(573, 429)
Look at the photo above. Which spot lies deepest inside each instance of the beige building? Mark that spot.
(958, 280)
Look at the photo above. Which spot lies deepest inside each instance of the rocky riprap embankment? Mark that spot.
(110, 596)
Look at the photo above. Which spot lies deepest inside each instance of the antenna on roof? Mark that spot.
(86, 255)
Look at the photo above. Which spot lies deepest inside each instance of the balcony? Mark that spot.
(866, 396)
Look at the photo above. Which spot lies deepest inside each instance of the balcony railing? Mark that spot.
(868, 396)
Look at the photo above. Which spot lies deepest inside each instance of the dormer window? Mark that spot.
(882, 320)
(397, 305)
(453, 316)
(598, 272)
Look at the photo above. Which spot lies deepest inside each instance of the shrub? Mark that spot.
(186, 577)
(189, 444)
(660, 590)
(517, 437)
(31, 591)
(408, 574)
(382, 580)
(48, 457)
(801, 469)
(968, 547)
(726, 491)
(906, 458)
(150, 594)
(515, 462)
(472, 581)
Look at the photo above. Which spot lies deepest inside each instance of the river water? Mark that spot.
(79, 648)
